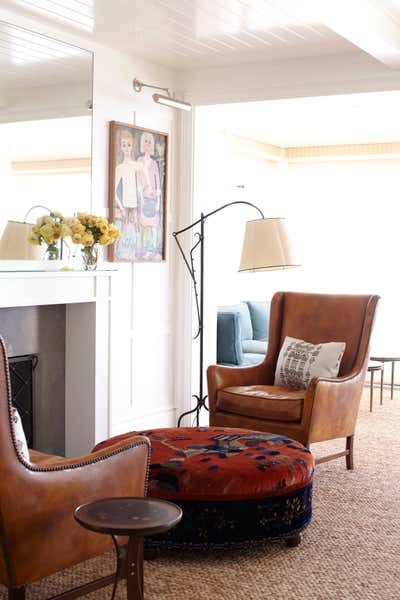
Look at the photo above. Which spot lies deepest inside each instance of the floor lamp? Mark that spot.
(265, 248)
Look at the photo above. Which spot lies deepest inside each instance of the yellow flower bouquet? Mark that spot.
(49, 230)
(91, 230)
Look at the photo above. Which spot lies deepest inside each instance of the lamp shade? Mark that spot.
(266, 246)
(14, 243)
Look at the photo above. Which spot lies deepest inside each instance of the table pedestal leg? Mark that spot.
(134, 576)
(392, 382)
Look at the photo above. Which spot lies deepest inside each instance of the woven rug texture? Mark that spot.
(351, 550)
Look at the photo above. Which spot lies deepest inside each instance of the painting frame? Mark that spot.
(142, 173)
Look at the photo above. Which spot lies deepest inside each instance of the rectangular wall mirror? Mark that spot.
(45, 125)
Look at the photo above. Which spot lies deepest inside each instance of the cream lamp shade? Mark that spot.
(266, 246)
(14, 243)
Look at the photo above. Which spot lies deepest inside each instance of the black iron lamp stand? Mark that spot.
(198, 286)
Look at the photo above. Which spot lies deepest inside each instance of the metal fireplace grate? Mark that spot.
(22, 371)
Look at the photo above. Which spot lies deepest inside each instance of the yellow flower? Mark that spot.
(40, 221)
(91, 221)
(87, 239)
(77, 227)
(65, 231)
(57, 231)
(105, 240)
(36, 229)
(46, 230)
(48, 220)
(76, 238)
(56, 215)
(113, 232)
(33, 239)
(82, 218)
(69, 221)
(49, 239)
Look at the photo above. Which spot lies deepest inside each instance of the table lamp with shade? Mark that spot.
(14, 243)
(266, 247)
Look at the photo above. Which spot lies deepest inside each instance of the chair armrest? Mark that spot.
(219, 377)
(331, 405)
(60, 463)
(229, 343)
(38, 520)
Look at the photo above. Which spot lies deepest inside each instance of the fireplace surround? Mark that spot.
(88, 313)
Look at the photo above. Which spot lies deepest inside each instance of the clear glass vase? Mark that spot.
(52, 252)
(89, 257)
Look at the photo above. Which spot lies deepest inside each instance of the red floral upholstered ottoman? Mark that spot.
(235, 486)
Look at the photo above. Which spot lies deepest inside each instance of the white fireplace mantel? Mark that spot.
(87, 296)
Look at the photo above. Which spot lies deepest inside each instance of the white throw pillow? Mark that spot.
(300, 361)
(19, 433)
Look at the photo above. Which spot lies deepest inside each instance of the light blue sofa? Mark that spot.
(242, 333)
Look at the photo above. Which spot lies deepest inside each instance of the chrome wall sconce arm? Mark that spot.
(166, 100)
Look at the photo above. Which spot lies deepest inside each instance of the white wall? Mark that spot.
(142, 345)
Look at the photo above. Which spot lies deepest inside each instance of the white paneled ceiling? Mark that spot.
(187, 34)
(29, 60)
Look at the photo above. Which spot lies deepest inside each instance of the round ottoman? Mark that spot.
(235, 486)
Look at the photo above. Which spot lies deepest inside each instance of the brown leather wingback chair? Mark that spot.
(38, 533)
(327, 409)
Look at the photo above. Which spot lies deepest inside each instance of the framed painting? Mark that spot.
(137, 192)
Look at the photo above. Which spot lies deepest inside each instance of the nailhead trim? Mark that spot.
(38, 469)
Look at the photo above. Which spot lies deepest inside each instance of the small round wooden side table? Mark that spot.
(134, 518)
(383, 360)
(372, 369)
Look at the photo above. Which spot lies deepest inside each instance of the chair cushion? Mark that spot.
(44, 460)
(259, 315)
(269, 402)
(300, 361)
(254, 347)
(246, 328)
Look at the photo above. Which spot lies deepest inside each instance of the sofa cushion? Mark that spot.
(246, 328)
(259, 315)
(300, 361)
(268, 402)
(254, 346)
(251, 359)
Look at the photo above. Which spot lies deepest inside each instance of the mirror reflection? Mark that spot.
(45, 125)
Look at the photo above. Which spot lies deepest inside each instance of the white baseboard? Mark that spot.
(165, 417)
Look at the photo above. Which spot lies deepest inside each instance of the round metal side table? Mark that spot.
(386, 359)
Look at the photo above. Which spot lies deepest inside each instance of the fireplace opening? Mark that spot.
(38, 332)
(23, 391)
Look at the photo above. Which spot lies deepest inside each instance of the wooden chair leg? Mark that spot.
(350, 450)
(16, 593)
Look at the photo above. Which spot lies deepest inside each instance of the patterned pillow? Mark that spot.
(19, 433)
(299, 361)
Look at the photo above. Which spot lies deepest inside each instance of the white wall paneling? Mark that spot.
(142, 330)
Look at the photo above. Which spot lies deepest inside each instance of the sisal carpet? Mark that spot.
(350, 551)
